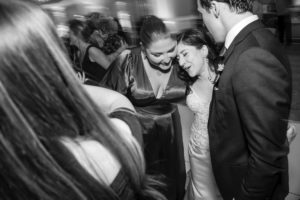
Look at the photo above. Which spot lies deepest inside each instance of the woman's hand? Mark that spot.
(123, 46)
(81, 76)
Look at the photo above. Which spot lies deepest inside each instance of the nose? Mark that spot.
(166, 58)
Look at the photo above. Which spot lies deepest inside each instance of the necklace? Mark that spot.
(211, 77)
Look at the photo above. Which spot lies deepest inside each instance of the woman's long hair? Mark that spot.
(41, 101)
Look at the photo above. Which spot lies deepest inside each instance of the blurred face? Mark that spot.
(97, 38)
(212, 22)
(161, 52)
(191, 59)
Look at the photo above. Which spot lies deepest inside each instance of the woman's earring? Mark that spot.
(144, 52)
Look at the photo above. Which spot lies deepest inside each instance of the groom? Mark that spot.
(247, 126)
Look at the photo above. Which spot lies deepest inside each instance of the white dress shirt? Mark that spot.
(236, 29)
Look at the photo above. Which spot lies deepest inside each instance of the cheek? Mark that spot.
(154, 59)
(198, 65)
(205, 20)
(173, 55)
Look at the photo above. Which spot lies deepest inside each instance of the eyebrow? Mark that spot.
(170, 50)
(182, 51)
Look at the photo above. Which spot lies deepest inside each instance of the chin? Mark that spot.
(164, 67)
(219, 39)
(192, 75)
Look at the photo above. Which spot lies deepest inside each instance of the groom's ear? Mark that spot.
(215, 9)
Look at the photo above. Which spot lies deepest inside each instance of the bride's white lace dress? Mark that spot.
(202, 185)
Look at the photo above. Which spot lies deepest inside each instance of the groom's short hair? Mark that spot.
(239, 6)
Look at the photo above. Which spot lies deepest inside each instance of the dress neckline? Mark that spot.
(203, 102)
(145, 62)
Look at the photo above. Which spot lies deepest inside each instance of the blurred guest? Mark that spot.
(147, 75)
(95, 58)
(55, 143)
(284, 23)
(75, 49)
(108, 30)
(117, 106)
(106, 25)
(112, 44)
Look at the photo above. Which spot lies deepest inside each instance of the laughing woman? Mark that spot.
(147, 75)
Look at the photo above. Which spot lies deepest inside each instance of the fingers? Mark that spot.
(291, 132)
(81, 76)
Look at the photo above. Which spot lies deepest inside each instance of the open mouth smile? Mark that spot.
(186, 68)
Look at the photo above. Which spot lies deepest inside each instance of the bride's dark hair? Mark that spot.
(197, 38)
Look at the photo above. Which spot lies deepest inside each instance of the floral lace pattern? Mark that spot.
(199, 132)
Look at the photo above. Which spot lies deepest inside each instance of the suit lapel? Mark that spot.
(241, 36)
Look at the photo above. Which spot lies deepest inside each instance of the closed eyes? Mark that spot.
(169, 51)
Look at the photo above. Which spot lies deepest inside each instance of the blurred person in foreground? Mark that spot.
(250, 105)
(55, 142)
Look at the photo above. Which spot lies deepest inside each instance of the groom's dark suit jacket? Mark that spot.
(247, 131)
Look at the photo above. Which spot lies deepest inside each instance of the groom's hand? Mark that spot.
(291, 132)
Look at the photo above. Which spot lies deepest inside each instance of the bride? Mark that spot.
(195, 55)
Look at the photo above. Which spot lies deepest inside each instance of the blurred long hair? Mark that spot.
(41, 101)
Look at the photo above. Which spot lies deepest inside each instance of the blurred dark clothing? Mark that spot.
(247, 133)
(163, 144)
(93, 71)
(284, 23)
(285, 29)
(131, 120)
(121, 184)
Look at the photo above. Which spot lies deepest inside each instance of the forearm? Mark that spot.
(113, 56)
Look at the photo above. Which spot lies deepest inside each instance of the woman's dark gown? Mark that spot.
(163, 145)
(93, 71)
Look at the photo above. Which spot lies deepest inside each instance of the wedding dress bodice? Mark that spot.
(200, 108)
(202, 184)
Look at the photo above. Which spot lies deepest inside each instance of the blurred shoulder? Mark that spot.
(96, 159)
(108, 100)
